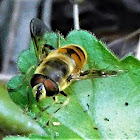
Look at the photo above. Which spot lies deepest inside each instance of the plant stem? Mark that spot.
(138, 49)
(76, 16)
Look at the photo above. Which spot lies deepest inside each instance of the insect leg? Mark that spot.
(49, 46)
(43, 109)
(63, 93)
(55, 101)
(63, 105)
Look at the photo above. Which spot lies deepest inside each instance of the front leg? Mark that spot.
(44, 109)
(63, 105)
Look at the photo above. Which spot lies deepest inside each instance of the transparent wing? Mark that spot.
(96, 74)
(38, 30)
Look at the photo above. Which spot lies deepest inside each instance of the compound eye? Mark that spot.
(51, 85)
(37, 79)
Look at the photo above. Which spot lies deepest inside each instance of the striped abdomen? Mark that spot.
(76, 53)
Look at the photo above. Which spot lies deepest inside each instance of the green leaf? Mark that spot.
(13, 120)
(31, 137)
(26, 63)
(103, 108)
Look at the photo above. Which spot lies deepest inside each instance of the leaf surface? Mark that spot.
(103, 108)
(13, 120)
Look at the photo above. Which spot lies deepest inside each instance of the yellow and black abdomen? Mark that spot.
(77, 54)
